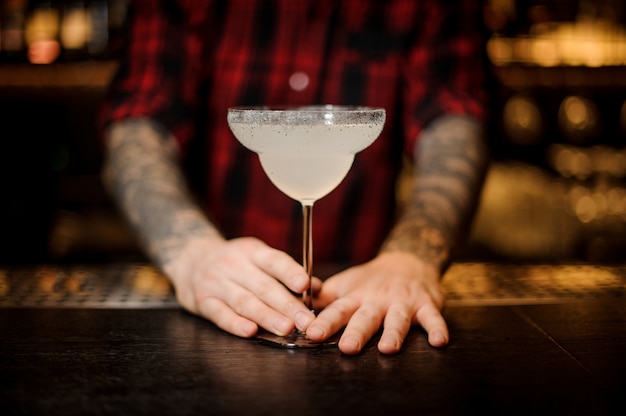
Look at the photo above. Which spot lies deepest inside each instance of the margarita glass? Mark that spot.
(306, 152)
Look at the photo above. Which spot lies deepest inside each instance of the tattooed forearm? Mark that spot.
(450, 166)
(142, 174)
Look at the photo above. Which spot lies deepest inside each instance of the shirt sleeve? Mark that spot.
(445, 67)
(159, 71)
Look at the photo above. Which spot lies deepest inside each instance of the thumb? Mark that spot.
(325, 294)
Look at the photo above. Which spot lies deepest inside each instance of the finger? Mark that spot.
(274, 295)
(361, 327)
(316, 286)
(331, 319)
(248, 305)
(224, 317)
(259, 277)
(326, 294)
(430, 318)
(396, 326)
(282, 267)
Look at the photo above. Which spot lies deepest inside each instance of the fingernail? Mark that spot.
(282, 326)
(315, 333)
(303, 319)
(437, 339)
(350, 345)
(247, 329)
(299, 282)
(389, 344)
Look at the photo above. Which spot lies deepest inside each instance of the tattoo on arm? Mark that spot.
(144, 177)
(449, 170)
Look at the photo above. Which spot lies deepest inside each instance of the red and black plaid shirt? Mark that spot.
(187, 61)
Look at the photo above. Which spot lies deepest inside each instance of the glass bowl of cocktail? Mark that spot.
(306, 152)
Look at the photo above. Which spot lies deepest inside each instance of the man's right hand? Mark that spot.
(241, 284)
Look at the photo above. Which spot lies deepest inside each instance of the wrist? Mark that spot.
(182, 259)
(188, 234)
(397, 261)
(427, 245)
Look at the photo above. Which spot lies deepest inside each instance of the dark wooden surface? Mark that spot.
(536, 357)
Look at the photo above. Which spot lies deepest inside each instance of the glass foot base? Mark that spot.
(295, 340)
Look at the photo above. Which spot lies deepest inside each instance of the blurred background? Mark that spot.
(556, 190)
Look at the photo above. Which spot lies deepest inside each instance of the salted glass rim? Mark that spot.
(311, 108)
(304, 114)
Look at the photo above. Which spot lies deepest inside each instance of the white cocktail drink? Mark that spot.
(305, 161)
(306, 152)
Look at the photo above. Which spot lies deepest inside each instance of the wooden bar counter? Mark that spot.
(111, 340)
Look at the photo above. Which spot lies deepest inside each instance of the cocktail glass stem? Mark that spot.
(307, 251)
